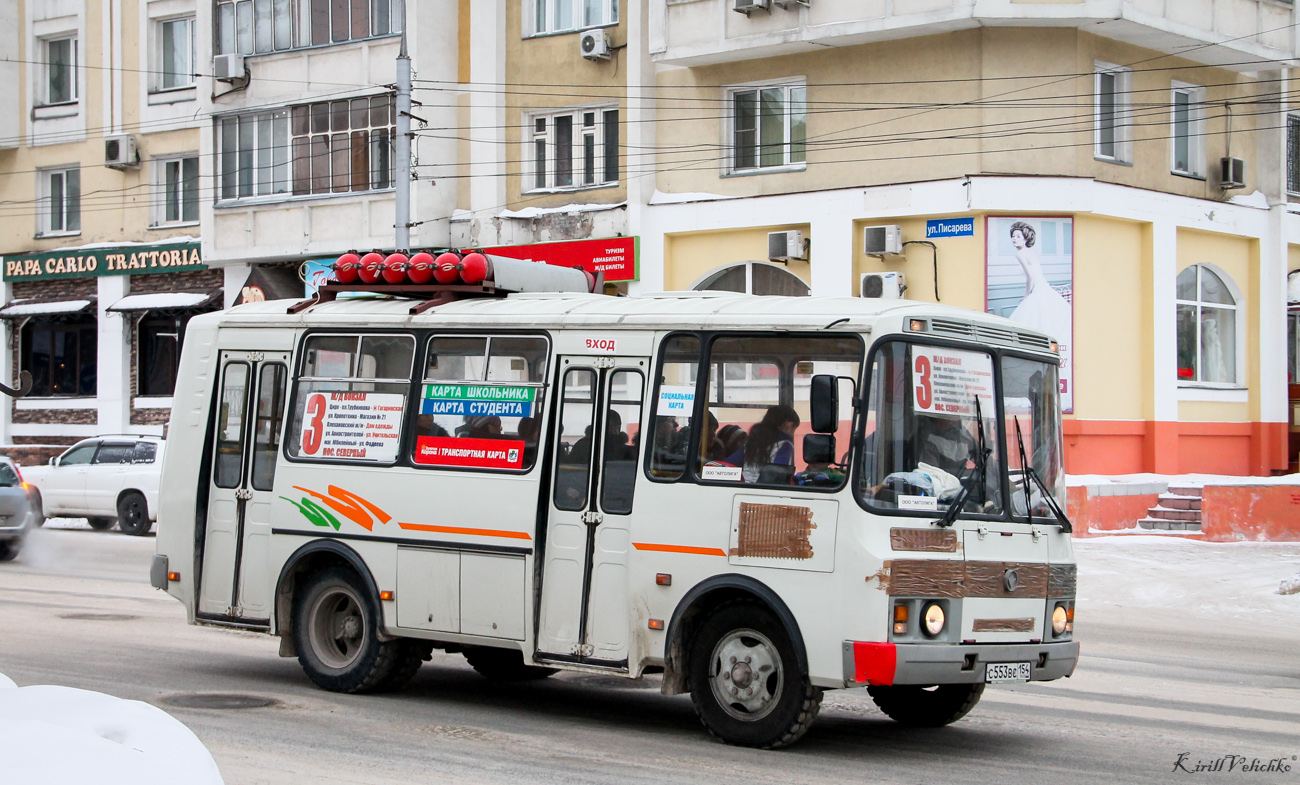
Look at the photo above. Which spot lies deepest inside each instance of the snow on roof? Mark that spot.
(534, 212)
(149, 302)
(36, 309)
(660, 197)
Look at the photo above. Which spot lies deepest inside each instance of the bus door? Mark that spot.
(584, 603)
(246, 445)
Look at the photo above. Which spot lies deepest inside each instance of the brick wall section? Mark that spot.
(37, 450)
(193, 281)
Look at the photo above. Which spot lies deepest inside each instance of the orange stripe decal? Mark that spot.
(425, 527)
(650, 546)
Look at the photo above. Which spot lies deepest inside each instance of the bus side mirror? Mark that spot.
(818, 448)
(824, 403)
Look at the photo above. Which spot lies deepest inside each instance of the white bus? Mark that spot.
(760, 498)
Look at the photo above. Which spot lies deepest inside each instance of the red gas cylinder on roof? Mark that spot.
(345, 269)
(420, 270)
(372, 267)
(447, 268)
(395, 268)
(474, 268)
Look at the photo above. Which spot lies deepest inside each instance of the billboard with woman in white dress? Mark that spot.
(1030, 279)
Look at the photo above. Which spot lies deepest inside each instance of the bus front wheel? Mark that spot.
(335, 629)
(746, 683)
(927, 707)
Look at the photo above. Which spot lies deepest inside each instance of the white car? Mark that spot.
(106, 479)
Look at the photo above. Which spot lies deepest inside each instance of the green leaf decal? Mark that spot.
(313, 512)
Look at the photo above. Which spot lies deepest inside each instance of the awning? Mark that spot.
(166, 301)
(21, 309)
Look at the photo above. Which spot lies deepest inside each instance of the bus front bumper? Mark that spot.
(882, 664)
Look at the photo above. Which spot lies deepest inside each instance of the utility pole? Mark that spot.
(402, 149)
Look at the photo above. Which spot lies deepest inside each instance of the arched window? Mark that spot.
(1207, 327)
(753, 278)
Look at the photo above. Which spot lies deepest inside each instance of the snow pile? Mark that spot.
(1290, 585)
(64, 736)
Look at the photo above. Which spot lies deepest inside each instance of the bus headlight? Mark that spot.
(932, 620)
(1060, 618)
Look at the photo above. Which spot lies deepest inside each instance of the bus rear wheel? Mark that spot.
(335, 630)
(746, 683)
(926, 707)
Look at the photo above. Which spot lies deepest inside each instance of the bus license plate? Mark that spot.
(1007, 671)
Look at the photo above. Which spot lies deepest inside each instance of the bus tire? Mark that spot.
(503, 664)
(133, 515)
(746, 683)
(926, 707)
(410, 656)
(335, 630)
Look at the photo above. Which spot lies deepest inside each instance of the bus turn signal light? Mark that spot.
(173, 576)
(663, 579)
(900, 619)
(656, 624)
(386, 595)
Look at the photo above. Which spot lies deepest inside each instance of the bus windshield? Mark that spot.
(1030, 399)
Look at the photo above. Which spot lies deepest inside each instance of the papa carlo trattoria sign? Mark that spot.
(94, 262)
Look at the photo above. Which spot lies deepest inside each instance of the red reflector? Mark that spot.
(874, 663)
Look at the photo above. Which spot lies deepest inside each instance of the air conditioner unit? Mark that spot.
(746, 6)
(120, 152)
(883, 286)
(784, 246)
(594, 44)
(1232, 173)
(228, 68)
(882, 240)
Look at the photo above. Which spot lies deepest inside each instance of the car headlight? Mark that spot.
(1059, 620)
(932, 620)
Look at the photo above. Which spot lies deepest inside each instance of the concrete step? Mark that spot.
(1160, 524)
(1171, 502)
(1185, 490)
(1163, 513)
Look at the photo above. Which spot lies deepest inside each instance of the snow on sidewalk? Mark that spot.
(64, 736)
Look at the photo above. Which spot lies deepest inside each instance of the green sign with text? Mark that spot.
(109, 260)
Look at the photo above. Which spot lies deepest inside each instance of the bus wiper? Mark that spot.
(1029, 472)
(981, 466)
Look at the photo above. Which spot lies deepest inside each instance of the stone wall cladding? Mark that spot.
(150, 416)
(37, 450)
(66, 288)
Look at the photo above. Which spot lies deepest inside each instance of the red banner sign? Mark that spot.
(616, 257)
(464, 451)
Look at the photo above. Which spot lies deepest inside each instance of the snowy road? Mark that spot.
(1186, 649)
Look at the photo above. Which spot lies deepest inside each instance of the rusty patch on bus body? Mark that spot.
(1004, 625)
(989, 579)
(774, 531)
(1062, 580)
(923, 540)
(926, 578)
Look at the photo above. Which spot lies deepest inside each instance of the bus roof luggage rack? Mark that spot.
(449, 277)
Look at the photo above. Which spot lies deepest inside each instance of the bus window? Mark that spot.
(266, 424)
(230, 427)
(1029, 399)
(757, 408)
(481, 402)
(351, 398)
(674, 404)
(573, 461)
(618, 461)
(929, 409)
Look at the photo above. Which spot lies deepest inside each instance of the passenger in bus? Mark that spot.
(665, 444)
(733, 439)
(945, 443)
(616, 443)
(769, 452)
(479, 427)
(528, 427)
(425, 425)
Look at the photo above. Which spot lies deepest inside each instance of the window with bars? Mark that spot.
(576, 148)
(320, 148)
(259, 26)
(1293, 154)
(768, 127)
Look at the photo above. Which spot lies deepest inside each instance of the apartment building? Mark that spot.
(1113, 171)
(99, 213)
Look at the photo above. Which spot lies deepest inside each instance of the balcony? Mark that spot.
(1233, 34)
